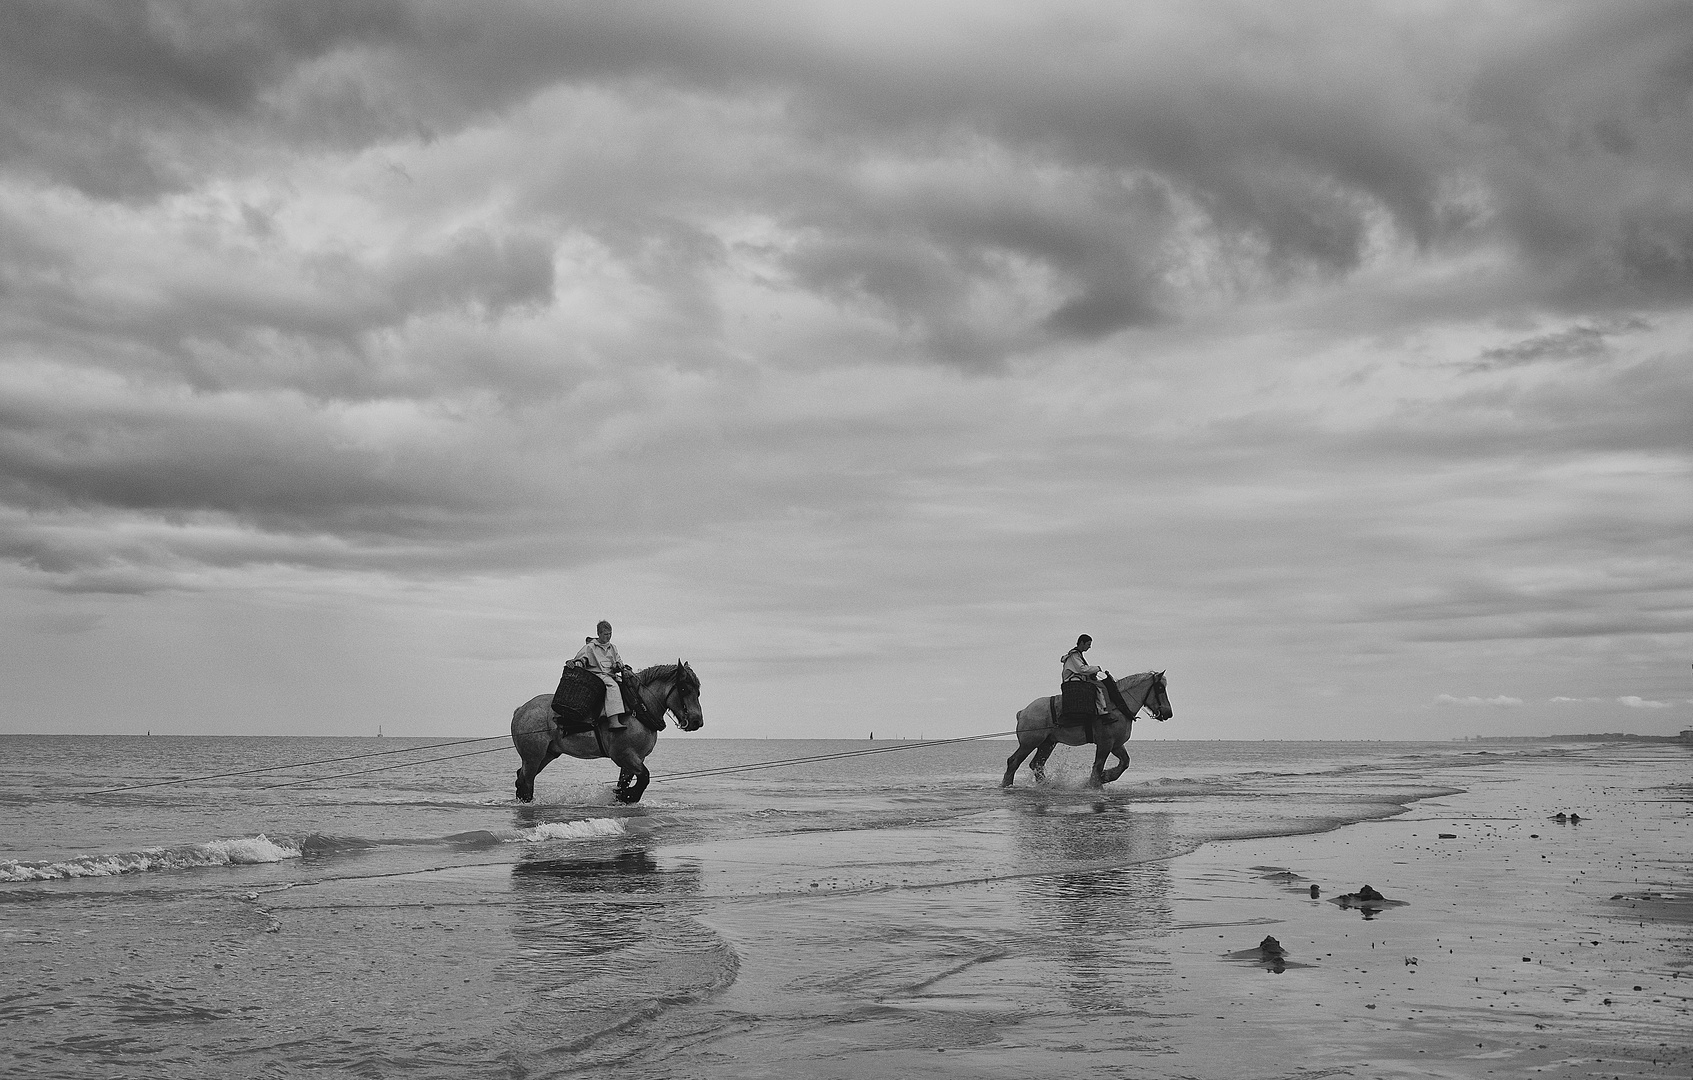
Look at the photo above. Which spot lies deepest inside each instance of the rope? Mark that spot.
(389, 768)
(296, 765)
(724, 770)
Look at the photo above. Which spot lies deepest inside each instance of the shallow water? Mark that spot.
(418, 922)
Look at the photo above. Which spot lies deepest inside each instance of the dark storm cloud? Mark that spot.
(215, 321)
(93, 90)
(279, 464)
(955, 189)
(1589, 110)
(1279, 146)
(1277, 143)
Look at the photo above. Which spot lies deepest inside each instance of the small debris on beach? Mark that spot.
(1270, 953)
(1279, 873)
(1367, 900)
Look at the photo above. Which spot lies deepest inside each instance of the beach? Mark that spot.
(1525, 945)
(882, 920)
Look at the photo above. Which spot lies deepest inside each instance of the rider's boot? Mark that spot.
(615, 722)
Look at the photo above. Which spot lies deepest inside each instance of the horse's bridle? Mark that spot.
(676, 708)
(1154, 683)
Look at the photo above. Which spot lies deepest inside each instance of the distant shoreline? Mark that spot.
(1615, 736)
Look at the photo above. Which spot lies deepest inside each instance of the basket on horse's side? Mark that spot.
(578, 700)
(1079, 703)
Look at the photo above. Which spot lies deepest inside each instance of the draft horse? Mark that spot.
(1038, 730)
(672, 688)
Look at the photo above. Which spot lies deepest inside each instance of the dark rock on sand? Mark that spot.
(1270, 953)
(1367, 900)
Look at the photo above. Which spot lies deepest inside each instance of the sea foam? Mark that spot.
(242, 852)
(588, 829)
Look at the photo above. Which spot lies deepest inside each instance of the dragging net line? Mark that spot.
(695, 774)
(785, 762)
(299, 765)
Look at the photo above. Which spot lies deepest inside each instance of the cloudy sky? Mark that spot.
(356, 356)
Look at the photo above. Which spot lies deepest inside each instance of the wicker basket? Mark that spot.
(579, 697)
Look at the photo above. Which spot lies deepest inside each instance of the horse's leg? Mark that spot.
(1122, 752)
(526, 775)
(633, 793)
(634, 769)
(1101, 751)
(1023, 750)
(532, 767)
(1038, 766)
(632, 782)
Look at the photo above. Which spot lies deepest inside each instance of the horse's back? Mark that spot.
(1036, 715)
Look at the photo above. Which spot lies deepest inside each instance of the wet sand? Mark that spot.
(1049, 935)
(1525, 946)
(1512, 946)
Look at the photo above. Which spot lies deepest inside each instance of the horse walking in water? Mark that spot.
(1037, 729)
(672, 688)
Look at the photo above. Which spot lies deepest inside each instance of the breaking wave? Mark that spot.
(588, 829)
(248, 851)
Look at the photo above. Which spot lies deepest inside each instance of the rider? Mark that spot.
(599, 655)
(1083, 695)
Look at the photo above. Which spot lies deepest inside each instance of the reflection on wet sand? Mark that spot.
(1083, 920)
(605, 937)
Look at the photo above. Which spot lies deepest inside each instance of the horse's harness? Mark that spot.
(672, 703)
(1052, 703)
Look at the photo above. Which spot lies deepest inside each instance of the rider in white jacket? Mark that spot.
(600, 656)
(1077, 669)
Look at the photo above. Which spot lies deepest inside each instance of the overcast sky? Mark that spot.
(357, 356)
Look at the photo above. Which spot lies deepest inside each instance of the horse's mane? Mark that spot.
(1136, 680)
(664, 671)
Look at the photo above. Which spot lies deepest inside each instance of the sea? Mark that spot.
(289, 906)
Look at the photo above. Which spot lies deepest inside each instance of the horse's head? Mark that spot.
(1158, 698)
(684, 698)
